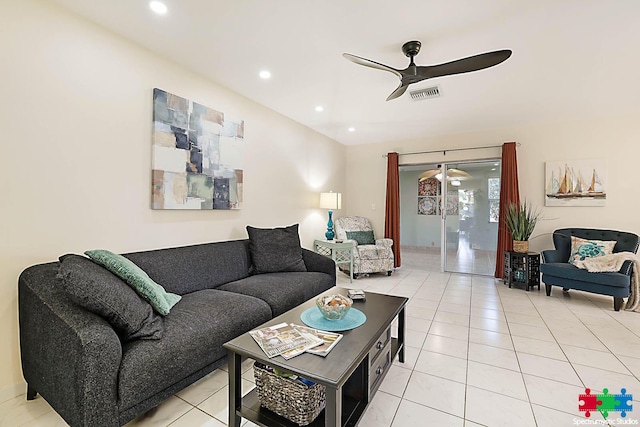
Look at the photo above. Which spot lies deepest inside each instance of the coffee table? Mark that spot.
(351, 372)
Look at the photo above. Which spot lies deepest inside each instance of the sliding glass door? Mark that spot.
(469, 210)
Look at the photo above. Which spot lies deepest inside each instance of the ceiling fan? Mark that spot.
(414, 73)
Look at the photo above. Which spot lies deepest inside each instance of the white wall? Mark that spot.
(75, 114)
(614, 139)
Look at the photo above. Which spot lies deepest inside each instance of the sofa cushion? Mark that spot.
(275, 249)
(195, 330)
(282, 291)
(153, 293)
(568, 271)
(187, 269)
(583, 248)
(362, 237)
(96, 289)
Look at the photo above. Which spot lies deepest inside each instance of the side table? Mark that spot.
(340, 253)
(523, 268)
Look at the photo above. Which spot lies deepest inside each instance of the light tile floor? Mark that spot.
(478, 354)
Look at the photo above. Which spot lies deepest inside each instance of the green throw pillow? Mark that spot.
(362, 237)
(134, 276)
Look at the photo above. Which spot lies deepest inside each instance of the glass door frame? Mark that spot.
(443, 212)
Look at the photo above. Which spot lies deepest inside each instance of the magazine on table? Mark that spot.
(280, 338)
(328, 339)
(313, 341)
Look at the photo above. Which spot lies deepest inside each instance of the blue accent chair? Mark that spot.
(556, 270)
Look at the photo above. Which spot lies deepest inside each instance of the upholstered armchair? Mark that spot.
(370, 255)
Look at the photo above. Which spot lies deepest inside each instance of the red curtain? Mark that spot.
(392, 207)
(509, 193)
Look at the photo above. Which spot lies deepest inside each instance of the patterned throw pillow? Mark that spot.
(362, 237)
(582, 249)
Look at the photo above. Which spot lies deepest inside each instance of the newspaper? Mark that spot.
(328, 339)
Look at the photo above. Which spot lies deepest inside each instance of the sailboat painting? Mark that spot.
(575, 183)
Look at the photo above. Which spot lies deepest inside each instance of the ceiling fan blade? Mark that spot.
(398, 92)
(465, 65)
(372, 64)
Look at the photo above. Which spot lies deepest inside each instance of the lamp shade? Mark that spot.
(330, 200)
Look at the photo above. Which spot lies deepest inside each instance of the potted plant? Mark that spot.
(521, 219)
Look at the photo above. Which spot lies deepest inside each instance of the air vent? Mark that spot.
(426, 93)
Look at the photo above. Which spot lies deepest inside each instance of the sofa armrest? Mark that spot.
(319, 263)
(69, 355)
(552, 255)
(627, 267)
(387, 243)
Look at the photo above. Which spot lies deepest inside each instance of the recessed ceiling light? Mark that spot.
(265, 74)
(493, 169)
(351, 129)
(319, 108)
(158, 7)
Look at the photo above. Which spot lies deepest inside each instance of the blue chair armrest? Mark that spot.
(551, 255)
(627, 268)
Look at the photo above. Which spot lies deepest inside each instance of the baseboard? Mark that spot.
(12, 391)
(420, 248)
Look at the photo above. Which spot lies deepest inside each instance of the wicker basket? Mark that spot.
(521, 246)
(288, 398)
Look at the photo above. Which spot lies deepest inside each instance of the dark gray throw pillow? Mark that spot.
(98, 290)
(275, 250)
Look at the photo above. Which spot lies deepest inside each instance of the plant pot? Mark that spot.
(521, 246)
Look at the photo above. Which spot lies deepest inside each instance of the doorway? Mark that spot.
(451, 210)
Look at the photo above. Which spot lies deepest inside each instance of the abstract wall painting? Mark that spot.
(197, 156)
(575, 183)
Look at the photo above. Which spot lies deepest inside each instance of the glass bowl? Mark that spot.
(334, 307)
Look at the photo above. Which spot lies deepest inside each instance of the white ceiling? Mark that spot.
(571, 58)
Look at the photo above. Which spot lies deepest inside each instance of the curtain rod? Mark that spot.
(444, 151)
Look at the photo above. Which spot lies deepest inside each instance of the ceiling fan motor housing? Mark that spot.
(411, 48)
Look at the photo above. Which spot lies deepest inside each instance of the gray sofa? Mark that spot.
(92, 376)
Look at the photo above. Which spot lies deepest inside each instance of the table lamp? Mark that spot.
(330, 201)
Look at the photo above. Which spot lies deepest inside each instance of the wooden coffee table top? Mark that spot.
(337, 366)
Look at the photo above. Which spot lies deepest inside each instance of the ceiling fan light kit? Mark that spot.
(414, 73)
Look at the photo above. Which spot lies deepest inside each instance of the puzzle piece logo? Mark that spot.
(605, 402)
(589, 402)
(624, 402)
